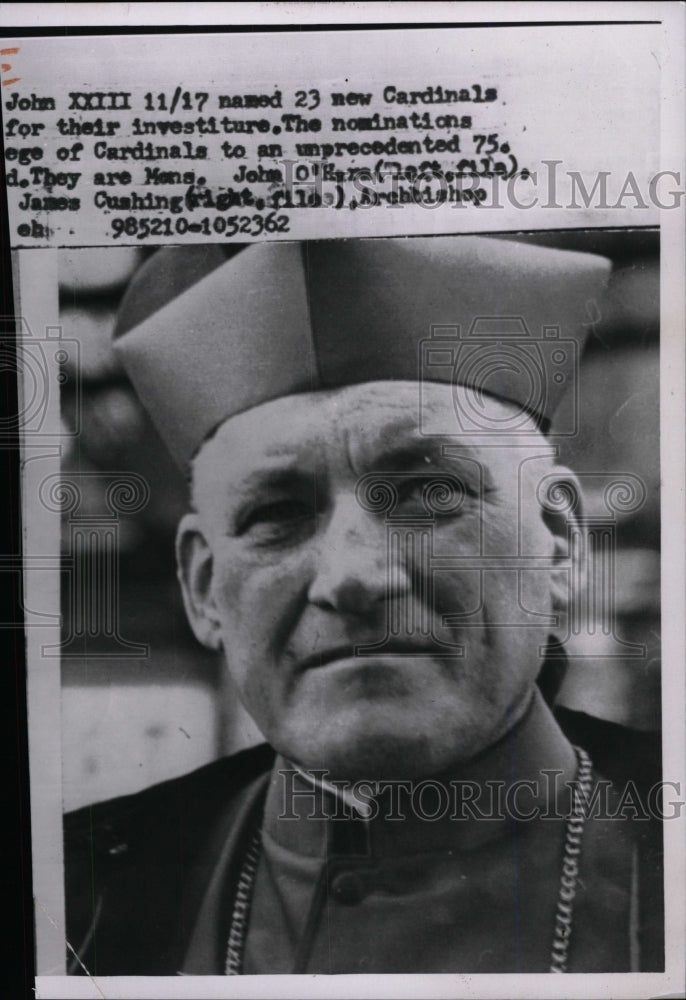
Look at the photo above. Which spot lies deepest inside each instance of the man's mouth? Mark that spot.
(363, 651)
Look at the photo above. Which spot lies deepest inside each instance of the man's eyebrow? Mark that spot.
(427, 455)
(416, 452)
(277, 476)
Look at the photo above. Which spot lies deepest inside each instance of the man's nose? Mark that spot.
(354, 572)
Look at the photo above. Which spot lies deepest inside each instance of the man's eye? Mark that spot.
(411, 489)
(436, 495)
(276, 519)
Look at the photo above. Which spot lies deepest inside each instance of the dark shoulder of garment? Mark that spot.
(135, 867)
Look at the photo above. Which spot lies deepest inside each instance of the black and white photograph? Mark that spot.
(377, 541)
(349, 402)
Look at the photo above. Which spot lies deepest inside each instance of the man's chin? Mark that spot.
(365, 748)
(390, 684)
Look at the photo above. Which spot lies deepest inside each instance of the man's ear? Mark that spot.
(562, 516)
(194, 567)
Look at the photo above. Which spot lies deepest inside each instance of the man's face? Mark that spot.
(295, 569)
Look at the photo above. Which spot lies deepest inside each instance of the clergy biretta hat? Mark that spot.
(205, 333)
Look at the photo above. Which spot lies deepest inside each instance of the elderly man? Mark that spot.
(372, 547)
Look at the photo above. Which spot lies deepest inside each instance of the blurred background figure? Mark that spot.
(176, 704)
(619, 432)
(168, 703)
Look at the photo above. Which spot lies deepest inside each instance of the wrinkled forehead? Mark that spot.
(362, 424)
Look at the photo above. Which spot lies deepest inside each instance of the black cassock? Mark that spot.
(151, 878)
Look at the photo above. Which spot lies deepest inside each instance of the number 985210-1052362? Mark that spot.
(219, 225)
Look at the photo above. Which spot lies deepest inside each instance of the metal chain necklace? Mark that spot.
(574, 830)
(570, 863)
(241, 907)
